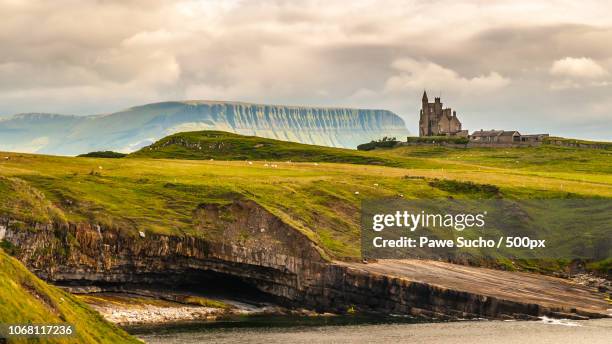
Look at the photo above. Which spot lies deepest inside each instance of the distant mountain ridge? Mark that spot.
(133, 128)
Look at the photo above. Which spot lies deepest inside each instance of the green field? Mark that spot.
(317, 190)
(25, 299)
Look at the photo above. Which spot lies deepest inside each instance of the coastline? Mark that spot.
(161, 308)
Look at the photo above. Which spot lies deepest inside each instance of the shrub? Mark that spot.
(103, 154)
(385, 142)
(456, 186)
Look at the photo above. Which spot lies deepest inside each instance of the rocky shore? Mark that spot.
(152, 314)
(144, 307)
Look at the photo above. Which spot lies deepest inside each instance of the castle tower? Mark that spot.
(437, 107)
(424, 119)
(436, 120)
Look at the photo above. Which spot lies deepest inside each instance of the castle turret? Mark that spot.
(424, 116)
(437, 105)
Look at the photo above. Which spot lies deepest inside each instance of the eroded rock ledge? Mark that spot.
(245, 241)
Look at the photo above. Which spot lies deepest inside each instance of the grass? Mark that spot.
(544, 159)
(219, 145)
(458, 187)
(151, 193)
(583, 143)
(136, 301)
(25, 299)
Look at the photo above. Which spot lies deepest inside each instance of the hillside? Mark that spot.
(545, 159)
(283, 224)
(26, 299)
(317, 198)
(133, 128)
(219, 145)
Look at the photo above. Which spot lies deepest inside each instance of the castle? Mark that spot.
(436, 121)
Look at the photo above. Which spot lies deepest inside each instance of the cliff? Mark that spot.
(286, 228)
(243, 240)
(131, 129)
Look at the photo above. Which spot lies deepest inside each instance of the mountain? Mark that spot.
(33, 132)
(139, 126)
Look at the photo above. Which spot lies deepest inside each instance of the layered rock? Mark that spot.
(245, 241)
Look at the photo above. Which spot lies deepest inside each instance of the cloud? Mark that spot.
(369, 53)
(578, 67)
(152, 38)
(416, 75)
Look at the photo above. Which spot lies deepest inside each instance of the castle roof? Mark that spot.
(494, 133)
(487, 133)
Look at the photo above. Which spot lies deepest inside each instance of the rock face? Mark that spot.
(243, 240)
(131, 129)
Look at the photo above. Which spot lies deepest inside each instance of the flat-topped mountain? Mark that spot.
(136, 127)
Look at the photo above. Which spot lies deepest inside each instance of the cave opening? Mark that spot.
(197, 282)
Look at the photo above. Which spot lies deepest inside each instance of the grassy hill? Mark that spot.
(26, 299)
(317, 190)
(220, 145)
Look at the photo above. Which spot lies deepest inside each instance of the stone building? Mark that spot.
(437, 121)
(534, 138)
(496, 136)
(505, 136)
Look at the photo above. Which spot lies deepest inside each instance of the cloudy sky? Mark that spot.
(533, 66)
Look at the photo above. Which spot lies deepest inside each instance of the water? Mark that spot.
(272, 331)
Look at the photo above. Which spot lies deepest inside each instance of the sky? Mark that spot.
(534, 66)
